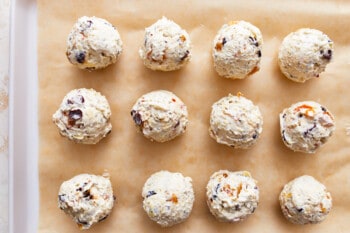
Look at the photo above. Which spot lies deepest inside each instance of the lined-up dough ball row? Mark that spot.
(84, 117)
(94, 43)
(168, 198)
(161, 116)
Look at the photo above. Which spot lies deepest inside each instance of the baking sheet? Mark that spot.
(23, 118)
(131, 159)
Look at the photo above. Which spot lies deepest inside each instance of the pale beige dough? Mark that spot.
(304, 54)
(87, 198)
(237, 50)
(93, 43)
(305, 200)
(168, 198)
(166, 46)
(130, 158)
(305, 126)
(83, 116)
(160, 115)
(232, 196)
(235, 121)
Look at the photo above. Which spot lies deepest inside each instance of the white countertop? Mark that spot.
(4, 62)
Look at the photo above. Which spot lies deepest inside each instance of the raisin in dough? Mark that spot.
(235, 121)
(93, 43)
(305, 126)
(168, 198)
(304, 54)
(305, 200)
(166, 46)
(237, 50)
(87, 198)
(160, 115)
(84, 116)
(232, 196)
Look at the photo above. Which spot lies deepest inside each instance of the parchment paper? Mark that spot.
(131, 159)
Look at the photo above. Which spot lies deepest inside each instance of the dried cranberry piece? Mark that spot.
(76, 99)
(327, 55)
(224, 41)
(185, 55)
(136, 117)
(73, 116)
(80, 57)
(150, 193)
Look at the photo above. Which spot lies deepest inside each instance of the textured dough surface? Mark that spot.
(306, 126)
(83, 116)
(232, 196)
(160, 115)
(93, 43)
(166, 46)
(87, 198)
(168, 198)
(131, 159)
(235, 121)
(304, 54)
(305, 200)
(237, 50)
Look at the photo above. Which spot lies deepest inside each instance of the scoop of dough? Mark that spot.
(237, 50)
(160, 115)
(168, 198)
(304, 200)
(235, 121)
(93, 43)
(232, 196)
(305, 126)
(84, 116)
(304, 54)
(87, 198)
(166, 46)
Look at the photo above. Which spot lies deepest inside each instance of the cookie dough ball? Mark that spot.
(93, 43)
(235, 121)
(304, 54)
(166, 46)
(88, 199)
(237, 50)
(305, 200)
(160, 115)
(168, 198)
(84, 116)
(305, 126)
(232, 196)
